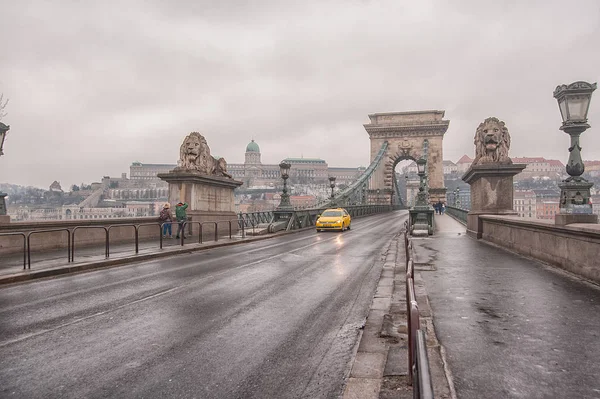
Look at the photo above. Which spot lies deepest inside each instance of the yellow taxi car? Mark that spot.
(333, 219)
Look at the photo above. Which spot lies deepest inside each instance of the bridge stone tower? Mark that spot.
(406, 133)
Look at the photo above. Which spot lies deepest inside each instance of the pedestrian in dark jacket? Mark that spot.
(181, 217)
(166, 218)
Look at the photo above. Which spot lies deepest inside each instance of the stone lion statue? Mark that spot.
(194, 155)
(492, 142)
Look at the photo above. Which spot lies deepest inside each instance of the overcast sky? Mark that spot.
(96, 85)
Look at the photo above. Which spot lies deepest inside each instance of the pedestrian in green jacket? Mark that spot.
(181, 217)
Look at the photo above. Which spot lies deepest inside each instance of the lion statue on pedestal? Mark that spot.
(492, 142)
(194, 155)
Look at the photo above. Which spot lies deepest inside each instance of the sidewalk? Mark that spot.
(380, 368)
(87, 258)
(509, 326)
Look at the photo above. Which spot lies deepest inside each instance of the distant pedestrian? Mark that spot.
(166, 218)
(181, 216)
(438, 207)
(443, 208)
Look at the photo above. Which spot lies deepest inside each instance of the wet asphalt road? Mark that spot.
(513, 328)
(272, 319)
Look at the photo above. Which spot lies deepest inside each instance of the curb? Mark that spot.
(380, 365)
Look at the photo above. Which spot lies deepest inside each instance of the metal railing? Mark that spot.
(252, 219)
(423, 387)
(305, 218)
(135, 232)
(71, 235)
(418, 363)
(24, 245)
(301, 218)
(106, 243)
(458, 213)
(69, 241)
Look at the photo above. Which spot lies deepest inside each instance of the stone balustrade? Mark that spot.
(574, 247)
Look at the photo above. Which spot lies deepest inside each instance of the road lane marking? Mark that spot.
(35, 334)
(164, 292)
(319, 239)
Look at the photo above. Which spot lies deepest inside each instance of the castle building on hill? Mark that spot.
(254, 173)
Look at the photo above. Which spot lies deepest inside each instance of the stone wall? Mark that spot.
(575, 247)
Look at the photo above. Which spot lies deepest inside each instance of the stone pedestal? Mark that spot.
(575, 204)
(3, 204)
(4, 218)
(421, 221)
(491, 192)
(209, 198)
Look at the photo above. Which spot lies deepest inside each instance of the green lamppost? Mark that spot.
(3, 131)
(421, 195)
(285, 204)
(332, 185)
(457, 197)
(421, 215)
(574, 102)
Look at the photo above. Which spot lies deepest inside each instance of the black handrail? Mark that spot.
(88, 227)
(414, 322)
(120, 225)
(137, 230)
(24, 246)
(423, 389)
(190, 223)
(226, 221)
(216, 229)
(69, 257)
(418, 363)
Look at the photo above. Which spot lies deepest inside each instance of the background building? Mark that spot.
(524, 203)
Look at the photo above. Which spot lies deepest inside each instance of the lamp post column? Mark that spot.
(285, 204)
(332, 185)
(457, 197)
(421, 215)
(4, 218)
(575, 205)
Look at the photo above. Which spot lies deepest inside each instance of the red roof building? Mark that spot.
(463, 164)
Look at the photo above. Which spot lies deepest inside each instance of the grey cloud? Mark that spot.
(97, 85)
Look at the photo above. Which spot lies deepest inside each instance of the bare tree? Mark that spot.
(3, 104)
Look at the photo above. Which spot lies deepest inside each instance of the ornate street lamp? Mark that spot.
(3, 131)
(421, 215)
(284, 204)
(332, 185)
(457, 197)
(574, 103)
(421, 163)
(421, 195)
